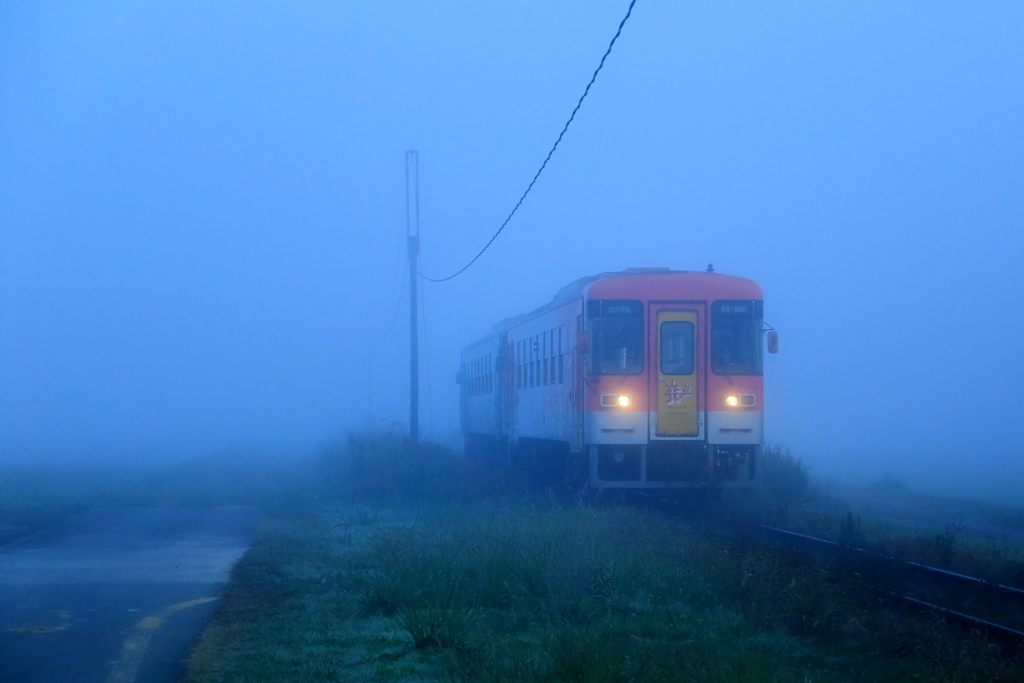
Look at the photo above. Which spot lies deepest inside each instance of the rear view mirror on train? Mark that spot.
(583, 342)
(773, 341)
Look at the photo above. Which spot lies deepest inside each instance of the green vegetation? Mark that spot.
(402, 579)
(378, 562)
(963, 536)
(533, 591)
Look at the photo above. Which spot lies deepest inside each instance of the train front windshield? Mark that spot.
(617, 336)
(736, 337)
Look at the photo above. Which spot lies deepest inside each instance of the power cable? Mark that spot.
(398, 305)
(548, 158)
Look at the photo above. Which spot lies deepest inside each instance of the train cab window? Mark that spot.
(617, 336)
(677, 347)
(736, 337)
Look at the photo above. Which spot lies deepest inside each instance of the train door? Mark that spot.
(675, 376)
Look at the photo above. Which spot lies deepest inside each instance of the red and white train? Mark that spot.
(645, 379)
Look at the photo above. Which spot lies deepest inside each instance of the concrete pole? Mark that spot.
(412, 231)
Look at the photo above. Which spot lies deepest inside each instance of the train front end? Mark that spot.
(673, 380)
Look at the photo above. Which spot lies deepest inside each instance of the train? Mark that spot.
(647, 378)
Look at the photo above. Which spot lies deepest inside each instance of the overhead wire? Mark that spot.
(398, 305)
(546, 159)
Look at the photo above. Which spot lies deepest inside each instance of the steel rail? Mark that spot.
(918, 565)
(1016, 592)
(977, 620)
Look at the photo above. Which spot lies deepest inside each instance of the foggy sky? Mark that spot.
(202, 219)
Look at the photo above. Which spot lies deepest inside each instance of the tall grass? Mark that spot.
(545, 593)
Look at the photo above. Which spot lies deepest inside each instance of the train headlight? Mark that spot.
(622, 401)
(732, 400)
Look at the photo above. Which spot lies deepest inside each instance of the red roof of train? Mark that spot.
(670, 286)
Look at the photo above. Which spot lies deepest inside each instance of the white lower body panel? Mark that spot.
(616, 426)
(735, 427)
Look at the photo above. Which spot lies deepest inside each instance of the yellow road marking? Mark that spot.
(126, 668)
(191, 603)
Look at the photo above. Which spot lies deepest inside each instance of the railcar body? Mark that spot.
(646, 378)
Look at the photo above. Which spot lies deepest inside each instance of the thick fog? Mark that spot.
(202, 235)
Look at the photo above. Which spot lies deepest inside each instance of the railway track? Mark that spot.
(994, 607)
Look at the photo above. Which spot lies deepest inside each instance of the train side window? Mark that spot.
(561, 357)
(542, 375)
(531, 362)
(519, 360)
(519, 368)
(537, 360)
(544, 358)
(547, 357)
(522, 361)
(553, 352)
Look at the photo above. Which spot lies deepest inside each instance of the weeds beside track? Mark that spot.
(962, 597)
(410, 578)
(530, 590)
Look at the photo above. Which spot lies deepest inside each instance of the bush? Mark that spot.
(784, 480)
(388, 466)
(783, 483)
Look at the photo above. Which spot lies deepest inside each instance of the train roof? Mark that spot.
(650, 284)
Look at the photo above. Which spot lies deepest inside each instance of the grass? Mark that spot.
(529, 590)
(946, 536)
(423, 569)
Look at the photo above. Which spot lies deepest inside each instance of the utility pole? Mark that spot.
(412, 233)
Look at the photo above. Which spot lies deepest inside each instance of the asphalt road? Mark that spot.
(115, 596)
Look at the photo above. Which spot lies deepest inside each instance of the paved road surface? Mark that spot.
(115, 596)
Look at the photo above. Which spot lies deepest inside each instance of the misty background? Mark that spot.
(202, 237)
